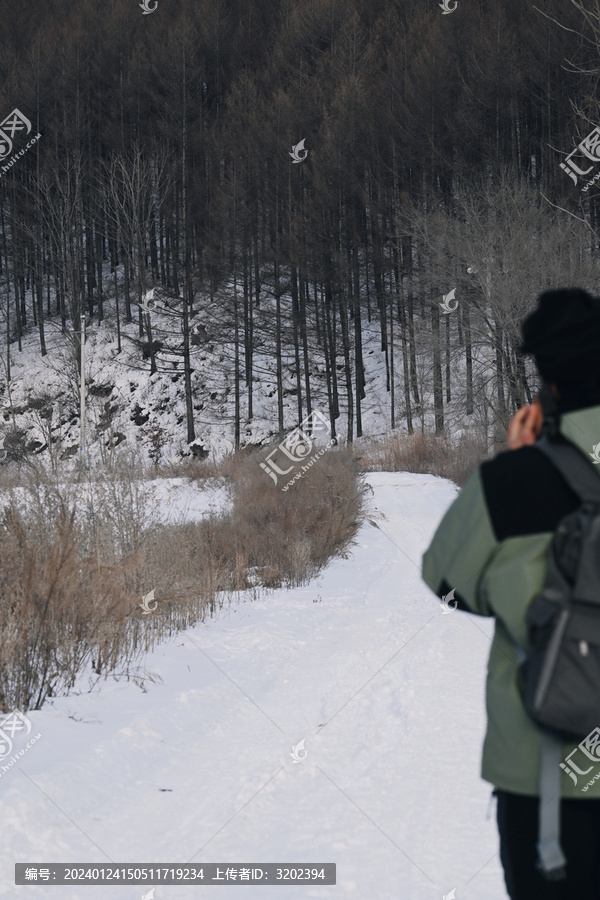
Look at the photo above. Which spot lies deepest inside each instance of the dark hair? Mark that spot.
(580, 393)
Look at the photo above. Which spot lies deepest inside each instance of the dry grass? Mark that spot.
(293, 534)
(76, 560)
(425, 453)
(58, 605)
(192, 468)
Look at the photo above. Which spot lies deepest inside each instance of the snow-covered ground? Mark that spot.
(362, 664)
(164, 499)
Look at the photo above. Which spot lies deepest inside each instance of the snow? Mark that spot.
(175, 499)
(130, 413)
(164, 499)
(362, 664)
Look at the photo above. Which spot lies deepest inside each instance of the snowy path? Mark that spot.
(386, 691)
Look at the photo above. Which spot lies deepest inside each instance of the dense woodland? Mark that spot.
(434, 148)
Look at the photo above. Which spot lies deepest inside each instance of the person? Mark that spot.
(491, 547)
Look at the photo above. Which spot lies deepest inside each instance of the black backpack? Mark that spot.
(560, 678)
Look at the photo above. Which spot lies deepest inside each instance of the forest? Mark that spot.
(427, 201)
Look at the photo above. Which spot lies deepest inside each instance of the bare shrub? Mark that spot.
(269, 536)
(191, 467)
(451, 458)
(293, 534)
(76, 559)
(58, 606)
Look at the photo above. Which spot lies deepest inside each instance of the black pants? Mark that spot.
(580, 842)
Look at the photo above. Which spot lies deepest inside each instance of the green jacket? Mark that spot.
(491, 548)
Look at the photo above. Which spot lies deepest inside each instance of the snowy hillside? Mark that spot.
(385, 690)
(129, 409)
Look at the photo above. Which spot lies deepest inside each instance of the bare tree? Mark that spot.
(138, 182)
(498, 248)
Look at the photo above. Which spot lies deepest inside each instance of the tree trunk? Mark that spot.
(438, 392)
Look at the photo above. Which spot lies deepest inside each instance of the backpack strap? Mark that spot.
(551, 859)
(580, 475)
(577, 471)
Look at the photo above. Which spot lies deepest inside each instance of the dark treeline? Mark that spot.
(433, 142)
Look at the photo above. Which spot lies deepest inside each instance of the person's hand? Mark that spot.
(525, 426)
